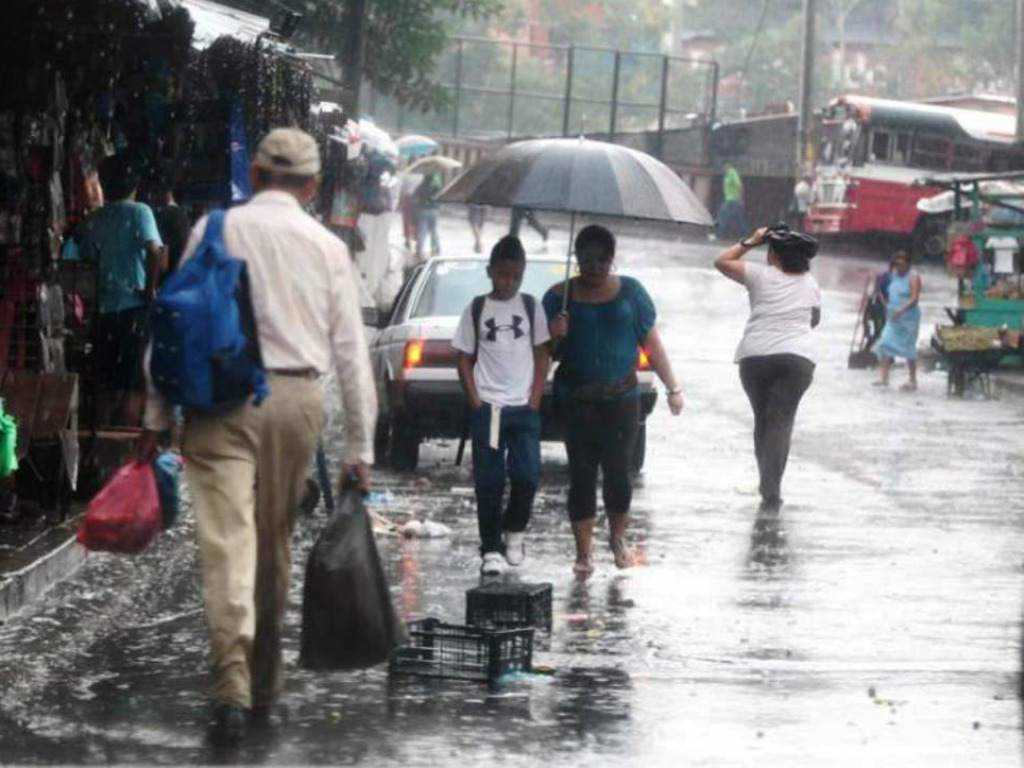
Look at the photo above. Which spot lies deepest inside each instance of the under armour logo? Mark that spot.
(516, 327)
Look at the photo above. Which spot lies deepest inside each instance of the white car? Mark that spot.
(415, 366)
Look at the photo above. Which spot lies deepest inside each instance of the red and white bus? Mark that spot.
(872, 150)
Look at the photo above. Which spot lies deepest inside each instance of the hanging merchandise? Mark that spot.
(8, 444)
(241, 186)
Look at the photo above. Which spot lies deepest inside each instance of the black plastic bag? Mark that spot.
(348, 620)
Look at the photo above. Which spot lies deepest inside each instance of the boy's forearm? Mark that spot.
(465, 366)
(541, 365)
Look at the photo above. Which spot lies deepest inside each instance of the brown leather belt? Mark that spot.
(295, 373)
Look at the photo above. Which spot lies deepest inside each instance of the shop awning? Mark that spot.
(214, 20)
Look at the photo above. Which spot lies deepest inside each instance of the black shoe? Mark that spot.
(227, 725)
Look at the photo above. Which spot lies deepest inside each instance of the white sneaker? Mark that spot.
(515, 548)
(494, 564)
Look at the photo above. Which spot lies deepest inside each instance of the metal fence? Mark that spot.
(498, 89)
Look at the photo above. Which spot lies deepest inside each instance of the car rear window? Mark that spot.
(451, 285)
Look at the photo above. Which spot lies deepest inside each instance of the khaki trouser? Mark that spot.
(246, 471)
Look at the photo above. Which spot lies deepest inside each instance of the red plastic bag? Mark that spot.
(125, 515)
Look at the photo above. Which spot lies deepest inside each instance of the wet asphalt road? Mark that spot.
(877, 622)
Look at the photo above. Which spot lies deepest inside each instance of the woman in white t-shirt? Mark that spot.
(777, 353)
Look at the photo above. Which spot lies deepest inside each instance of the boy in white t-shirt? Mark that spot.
(503, 364)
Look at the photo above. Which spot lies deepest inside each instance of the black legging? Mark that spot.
(601, 435)
(774, 384)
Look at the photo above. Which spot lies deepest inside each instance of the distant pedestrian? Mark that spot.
(902, 322)
(123, 239)
(426, 214)
(732, 215)
(246, 467)
(777, 353)
(409, 207)
(800, 206)
(171, 219)
(477, 219)
(519, 215)
(874, 313)
(503, 365)
(598, 342)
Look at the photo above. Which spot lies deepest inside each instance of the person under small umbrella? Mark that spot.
(777, 353)
(599, 335)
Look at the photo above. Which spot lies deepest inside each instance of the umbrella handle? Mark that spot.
(568, 262)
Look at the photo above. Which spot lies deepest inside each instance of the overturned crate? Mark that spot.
(453, 652)
(507, 606)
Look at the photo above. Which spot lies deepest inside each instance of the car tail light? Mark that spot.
(428, 353)
(643, 362)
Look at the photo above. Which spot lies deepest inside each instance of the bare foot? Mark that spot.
(910, 386)
(583, 566)
(624, 557)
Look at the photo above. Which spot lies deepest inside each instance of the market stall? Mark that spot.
(165, 85)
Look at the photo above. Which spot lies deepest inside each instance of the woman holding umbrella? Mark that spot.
(599, 327)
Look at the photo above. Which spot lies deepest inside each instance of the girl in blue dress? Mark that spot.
(903, 322)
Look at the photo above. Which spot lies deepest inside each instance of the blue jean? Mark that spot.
(517, 459)
(426, 223)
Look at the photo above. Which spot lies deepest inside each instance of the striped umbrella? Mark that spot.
(578, 176)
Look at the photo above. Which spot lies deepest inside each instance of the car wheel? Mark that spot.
(639, 449)
(405, 447)
(381, 440)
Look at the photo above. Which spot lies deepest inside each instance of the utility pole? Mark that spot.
(807, 86)
(1020, 71)
(354, 21)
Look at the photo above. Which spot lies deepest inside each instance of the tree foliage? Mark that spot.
(403, 39)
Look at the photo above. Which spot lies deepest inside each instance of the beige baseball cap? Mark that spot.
(288, 150)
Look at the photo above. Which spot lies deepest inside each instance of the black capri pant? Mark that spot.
(601, 435)
(774, 384)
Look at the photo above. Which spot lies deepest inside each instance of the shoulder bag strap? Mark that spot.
(476, 313)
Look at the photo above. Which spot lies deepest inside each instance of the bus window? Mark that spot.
(968, 158)
(930, 152)
(902, 154)
(881, 146)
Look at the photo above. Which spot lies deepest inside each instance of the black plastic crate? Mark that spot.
(509, 605)
(450, 651)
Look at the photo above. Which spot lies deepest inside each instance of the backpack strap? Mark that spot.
(531, 306)
(476, 312)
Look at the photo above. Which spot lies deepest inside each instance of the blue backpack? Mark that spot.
(205, 349)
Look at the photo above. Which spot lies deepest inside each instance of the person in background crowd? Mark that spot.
(426, 221)
(598, 341)
(246, 468)
(171, 219)
(123, 238)
(410, 208)
(502, 342)
(903, 322)
(477, 219)
(519, 215)
(802, 195)
(874, 316)
(732, 216)
(777, 353)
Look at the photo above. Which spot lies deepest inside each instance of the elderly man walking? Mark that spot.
(246, 468)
